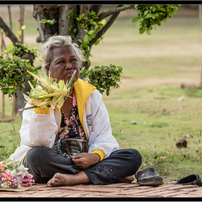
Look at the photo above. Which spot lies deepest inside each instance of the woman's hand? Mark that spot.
(85, 160)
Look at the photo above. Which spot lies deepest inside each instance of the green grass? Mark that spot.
(154, 67)
(161, 121)
(9, 139)
(8, 106)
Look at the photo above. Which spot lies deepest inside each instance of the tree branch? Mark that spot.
(38, 67)
(8, 32)
(112, 11)
(105, 28)
(10, 19)
(22, 11)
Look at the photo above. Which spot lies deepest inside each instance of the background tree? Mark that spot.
(86, 24)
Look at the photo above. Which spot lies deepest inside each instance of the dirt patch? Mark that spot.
(127, 83)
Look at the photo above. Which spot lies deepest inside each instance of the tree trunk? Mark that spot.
(10, 18)
(48, 12)
(20, 101)
(61, 27)
(22, 10)
(63, 20)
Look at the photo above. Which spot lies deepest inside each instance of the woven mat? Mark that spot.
(20, 188)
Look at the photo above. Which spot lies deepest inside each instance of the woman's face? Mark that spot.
(63, 64)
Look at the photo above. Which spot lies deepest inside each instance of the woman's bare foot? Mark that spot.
(68, 179)
(127, 179)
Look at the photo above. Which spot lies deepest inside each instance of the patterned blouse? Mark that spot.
(71, 128)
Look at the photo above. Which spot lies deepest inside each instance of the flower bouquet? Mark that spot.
(48, 93)
(13, 174)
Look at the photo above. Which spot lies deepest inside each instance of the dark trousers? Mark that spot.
(44, 162)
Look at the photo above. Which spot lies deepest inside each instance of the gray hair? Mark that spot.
(57, 41)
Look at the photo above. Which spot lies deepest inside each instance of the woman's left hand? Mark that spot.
(85, 160)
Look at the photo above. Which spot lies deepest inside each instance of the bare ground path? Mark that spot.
(120, 190)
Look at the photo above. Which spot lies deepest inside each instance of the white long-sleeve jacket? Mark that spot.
(41, 129)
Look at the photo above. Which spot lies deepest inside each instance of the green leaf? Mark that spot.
(149, 15)
(43, 21)
(145, 13)
(142, 30)
(87, 48)
(81, 15)
(135, 19)
(19, 32)
(107, 92)
(148, 32)
(90, 37)
(85, 39)
(51, 22)
(135, 24)
(97, 42)
(158, 23)
(165, 20)
(91, 32)
(23, 27)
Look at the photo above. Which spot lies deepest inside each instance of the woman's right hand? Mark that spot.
(85, 160)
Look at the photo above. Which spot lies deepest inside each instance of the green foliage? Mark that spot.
(14, 50)
(152, 15)
(13, 71)
(103, 77)
(90, 26)
(50, 22)
(9, 139)
(20, 31)
(148, 15)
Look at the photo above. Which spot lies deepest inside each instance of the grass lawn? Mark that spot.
(154, 67)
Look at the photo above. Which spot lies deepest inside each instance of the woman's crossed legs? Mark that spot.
(48, 166)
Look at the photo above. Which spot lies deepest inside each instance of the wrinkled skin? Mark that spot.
(85, 160)
(63, 64)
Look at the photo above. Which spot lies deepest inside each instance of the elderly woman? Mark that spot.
(83, 116)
